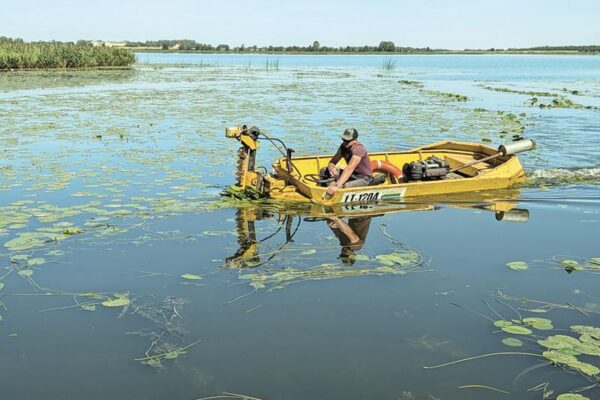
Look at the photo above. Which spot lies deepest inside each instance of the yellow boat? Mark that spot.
(469, 167)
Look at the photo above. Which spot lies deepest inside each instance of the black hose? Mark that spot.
(272, 140)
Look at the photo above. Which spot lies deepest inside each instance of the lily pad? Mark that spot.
(72, 231)
(502, 323)
(559, 358)
(191, 277)
(572, 396)
(308, 252)
(517, 265)
(586, 368)
(120, 300)
(585, 338)
(590, 349)
(542, 324)
(571, 265)
(558, 342)
(512, 342)
(517, 330)
(398, 258)
(36, 261)
(585, 329)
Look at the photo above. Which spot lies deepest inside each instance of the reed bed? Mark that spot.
(20, 55)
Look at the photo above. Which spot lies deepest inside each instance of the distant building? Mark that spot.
(176, 46)
(102, 43)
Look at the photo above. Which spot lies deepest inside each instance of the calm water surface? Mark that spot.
(109, 204)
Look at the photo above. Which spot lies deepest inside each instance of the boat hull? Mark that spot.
(505, 171)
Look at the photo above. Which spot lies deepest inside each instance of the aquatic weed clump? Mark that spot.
(560, 102)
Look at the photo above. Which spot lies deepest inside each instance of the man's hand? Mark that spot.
(331, 189)
(334, 171)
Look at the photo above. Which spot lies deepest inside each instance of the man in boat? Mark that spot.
(351, 235)
(357, 173)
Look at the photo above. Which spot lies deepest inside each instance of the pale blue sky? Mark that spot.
(456, 24)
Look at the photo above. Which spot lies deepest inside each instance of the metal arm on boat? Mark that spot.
(503, 150)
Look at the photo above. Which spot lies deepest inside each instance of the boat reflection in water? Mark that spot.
(350, 224)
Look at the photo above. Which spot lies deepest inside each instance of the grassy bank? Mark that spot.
(20, 55)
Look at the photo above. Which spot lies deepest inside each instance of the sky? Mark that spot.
(449, 24)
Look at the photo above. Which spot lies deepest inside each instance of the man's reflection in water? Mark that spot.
(352, 235)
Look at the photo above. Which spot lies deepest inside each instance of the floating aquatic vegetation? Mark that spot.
(542, 324)
(30, 240)
(248, 193)
(279, 279)
(36, 261)
(561, 350)
(415, 84)
(512, 342)
(191, 277)
(517, 265)
(562, 176)
(518, 91)
(397, 262)
(560, 102)
(120, 300)
(517, 330)
(572, 264)
(448, 96)
(572, 396)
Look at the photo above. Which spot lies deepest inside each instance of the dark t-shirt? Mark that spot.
(364, 167)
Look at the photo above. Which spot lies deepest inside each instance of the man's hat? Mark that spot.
(350, 134)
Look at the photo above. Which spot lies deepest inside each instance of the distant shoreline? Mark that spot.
(389, 54)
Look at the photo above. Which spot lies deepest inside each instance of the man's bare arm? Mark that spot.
(346, 230)
(354, 161)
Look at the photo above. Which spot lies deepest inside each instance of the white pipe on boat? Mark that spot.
(516, 147)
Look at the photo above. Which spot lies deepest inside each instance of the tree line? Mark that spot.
(18, 54)
(316, 47)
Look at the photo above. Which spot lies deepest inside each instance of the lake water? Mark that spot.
(124, 275)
